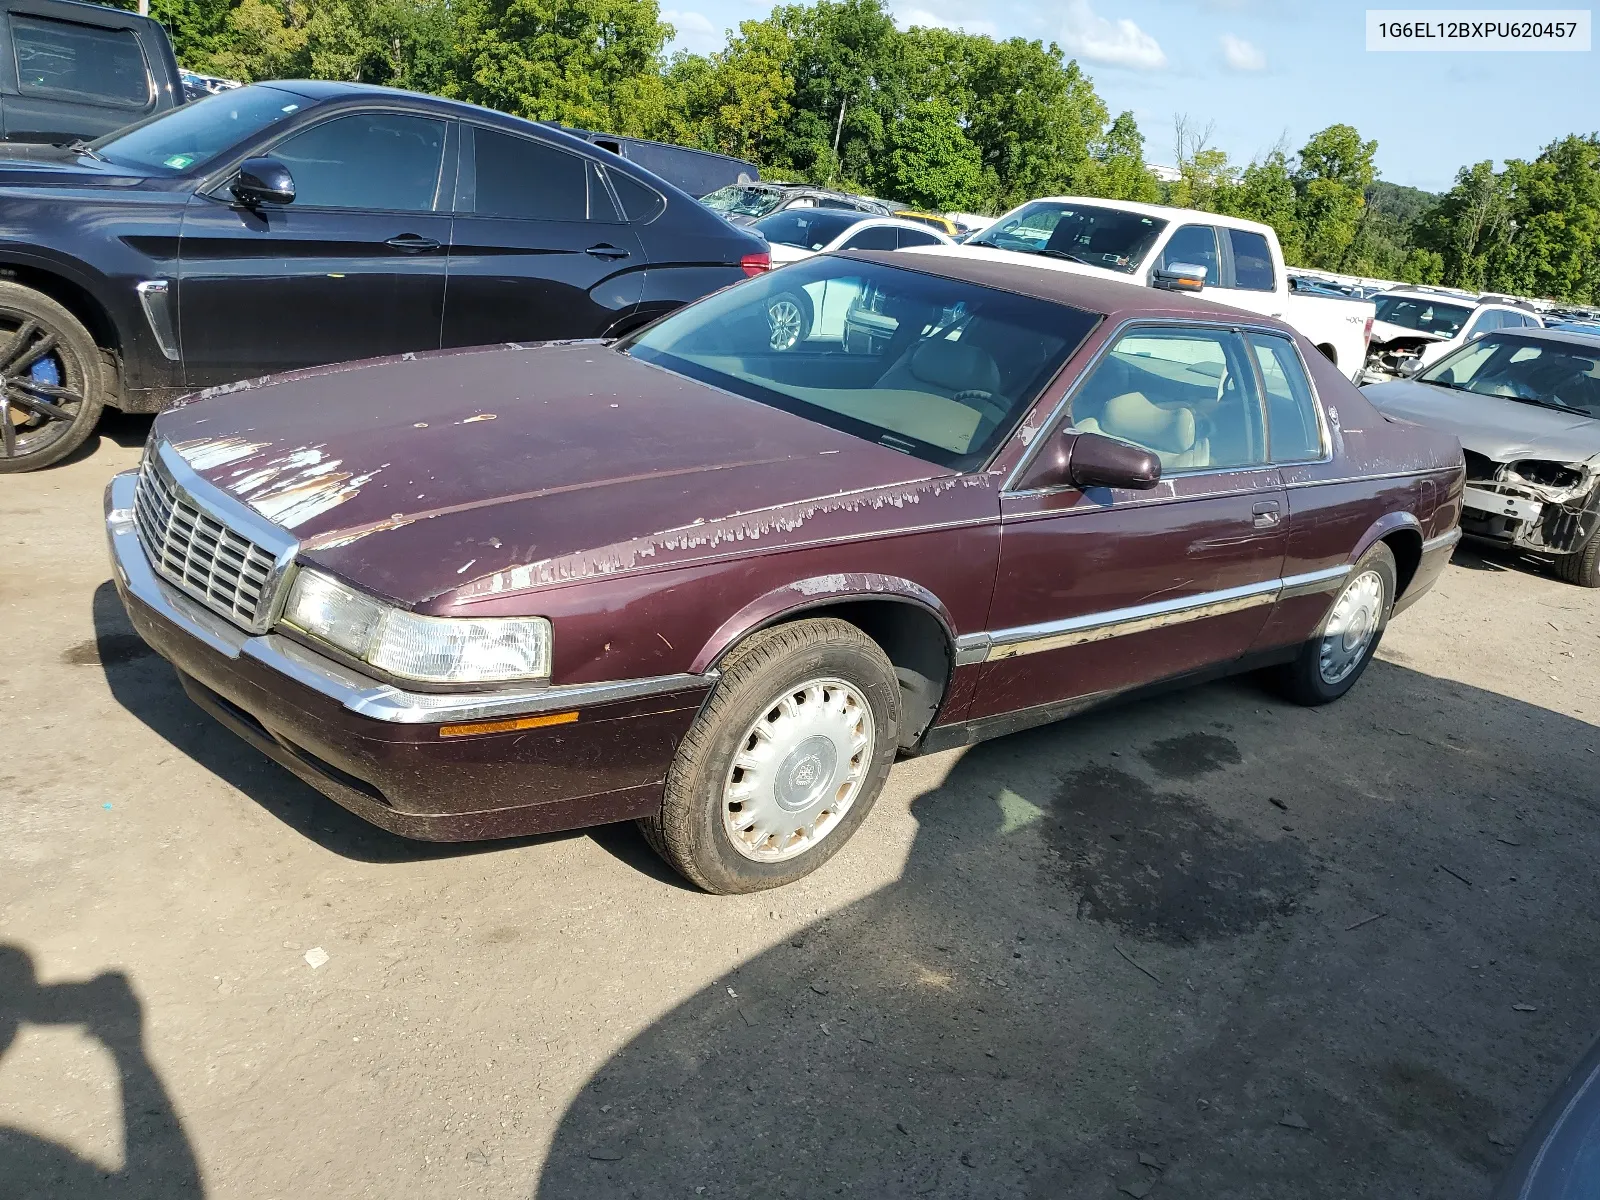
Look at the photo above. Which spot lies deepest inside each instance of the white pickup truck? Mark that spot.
(1140, 243)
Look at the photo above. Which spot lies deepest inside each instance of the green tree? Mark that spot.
(1116, 168)
(1265, 192)
(1335, 170)
(933, 164)
(1470, 228)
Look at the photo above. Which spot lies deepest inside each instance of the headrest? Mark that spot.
(955, 366)
(1133, 417)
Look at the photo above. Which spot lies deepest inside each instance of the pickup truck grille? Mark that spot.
(198, 553)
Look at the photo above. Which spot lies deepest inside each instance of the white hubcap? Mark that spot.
(1351, 627)
(798, 770)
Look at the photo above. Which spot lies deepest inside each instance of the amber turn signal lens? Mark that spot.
(508, 725)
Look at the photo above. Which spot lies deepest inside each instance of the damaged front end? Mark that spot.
(1531, 503)
(1396, 358)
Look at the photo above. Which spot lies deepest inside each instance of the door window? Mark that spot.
(519, 177)
(915, 237)
(373, 161)
(1187, 394)
(1196, 245)
(102, 66)
(1252, 261)
(879, 237)
(1295, 434)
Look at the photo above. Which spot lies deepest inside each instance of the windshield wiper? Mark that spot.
(82, 147)
(1065, 255)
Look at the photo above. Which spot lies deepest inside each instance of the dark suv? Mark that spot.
(285, 225)
(70, 70)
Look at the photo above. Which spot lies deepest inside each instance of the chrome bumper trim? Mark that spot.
(1443, 540)
(358, 693)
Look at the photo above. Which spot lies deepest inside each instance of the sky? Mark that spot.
(1261, 71)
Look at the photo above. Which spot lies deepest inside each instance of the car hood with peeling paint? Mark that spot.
(443, 479)
(1498, 428)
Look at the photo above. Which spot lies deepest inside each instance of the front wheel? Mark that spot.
(784, 762)
(1582, 567)
(1338, 653)
(51, 389)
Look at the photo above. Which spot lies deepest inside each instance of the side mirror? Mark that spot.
(1179, 277)
(1087, 460)
(1410, 367)
(262, 181)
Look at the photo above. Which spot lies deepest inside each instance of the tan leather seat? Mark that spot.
(1170, 432)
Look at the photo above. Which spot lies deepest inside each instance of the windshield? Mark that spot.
(808, 228)
(1425, 315)
(192, 134)
(741, 201)
(932, 367)
(1086, 233)
(1562, 375)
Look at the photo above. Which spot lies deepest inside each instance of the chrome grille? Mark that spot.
(225, 571)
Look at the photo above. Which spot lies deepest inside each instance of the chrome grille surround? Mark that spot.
(209, 545)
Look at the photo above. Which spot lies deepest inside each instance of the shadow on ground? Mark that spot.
(1209, 945)
(158, 1163)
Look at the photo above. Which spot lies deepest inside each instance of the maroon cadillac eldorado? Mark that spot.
(716, 580)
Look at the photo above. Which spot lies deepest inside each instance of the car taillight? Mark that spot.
(1366, 334)
(754, 264)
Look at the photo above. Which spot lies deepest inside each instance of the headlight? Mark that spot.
(432, 649)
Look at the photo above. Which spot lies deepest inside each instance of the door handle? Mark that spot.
(606, 250)
(414, 242)
(1266, 514)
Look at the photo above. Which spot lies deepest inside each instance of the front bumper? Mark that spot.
(378, 750)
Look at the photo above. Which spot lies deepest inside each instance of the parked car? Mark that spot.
(198, 87)
(1238, 262)
(697, 172)
(1416, 327)
(1526, 408)
(320, 222)
(689, 580)
(70, 71)
(1559, 1159)
(745, 204)
(932, 220)
(814, 311)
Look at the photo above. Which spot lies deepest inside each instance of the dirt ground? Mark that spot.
(1204, 946)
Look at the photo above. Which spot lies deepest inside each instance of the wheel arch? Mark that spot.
(1402, 533)
(908, 622)
(72, 293)
(1329, 352)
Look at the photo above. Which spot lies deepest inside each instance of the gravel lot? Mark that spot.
(1208, 945)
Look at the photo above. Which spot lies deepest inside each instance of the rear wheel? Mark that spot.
(1583, 566)
(51, 388)
(1338, 653)
(785, 761)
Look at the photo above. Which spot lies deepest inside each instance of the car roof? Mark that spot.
(1111, 298)
(1566, 337)
(1163, 211)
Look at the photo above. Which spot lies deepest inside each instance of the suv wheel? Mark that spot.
(51, 388)
(1582, 567)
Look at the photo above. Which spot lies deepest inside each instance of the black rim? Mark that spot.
(34, 412)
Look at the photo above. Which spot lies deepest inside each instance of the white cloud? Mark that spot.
(1119, 43)
(909, 17)
(1241, 55)
(696, 33)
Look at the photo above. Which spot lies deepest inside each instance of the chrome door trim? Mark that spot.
(1022, 640)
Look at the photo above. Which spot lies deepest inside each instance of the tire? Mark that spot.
(1308, 680)
(801, 684)
(55, 364)
(1583, 566)
(789, 318)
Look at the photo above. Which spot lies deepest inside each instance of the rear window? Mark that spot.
(808, 228)
(103, 66)
(519, 177)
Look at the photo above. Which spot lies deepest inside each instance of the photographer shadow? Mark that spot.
(157, 1160)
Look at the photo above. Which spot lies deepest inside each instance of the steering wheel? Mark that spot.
(978, 398)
